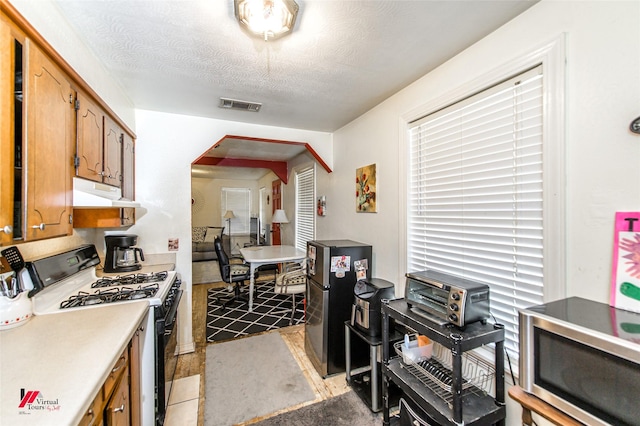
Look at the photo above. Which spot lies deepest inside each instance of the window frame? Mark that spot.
(311, 208)
(240, 224)
(552, 58)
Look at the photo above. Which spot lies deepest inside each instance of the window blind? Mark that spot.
(475, 194)
(305, 207)
(238, 200)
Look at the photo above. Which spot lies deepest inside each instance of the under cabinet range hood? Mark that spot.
(94, 195)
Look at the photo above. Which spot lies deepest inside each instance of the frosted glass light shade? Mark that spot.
(267, 18)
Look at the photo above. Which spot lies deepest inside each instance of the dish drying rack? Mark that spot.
(435, 373)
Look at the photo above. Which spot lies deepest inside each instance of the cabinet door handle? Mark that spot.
(118, 365)
(8, 229)
(40, 227)
(118, 409)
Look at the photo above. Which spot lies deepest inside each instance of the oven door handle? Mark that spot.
(170, 318)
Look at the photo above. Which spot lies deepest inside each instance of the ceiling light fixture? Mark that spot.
(267, 18)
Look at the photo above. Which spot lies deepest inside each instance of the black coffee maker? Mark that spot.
(121, 255)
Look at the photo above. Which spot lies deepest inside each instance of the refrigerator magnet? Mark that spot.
(340, 264)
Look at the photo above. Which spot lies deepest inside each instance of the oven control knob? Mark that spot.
(454, 307)
(453, 318)
(455, 296)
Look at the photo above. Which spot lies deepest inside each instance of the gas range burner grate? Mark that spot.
(130, 279)
(110, 295)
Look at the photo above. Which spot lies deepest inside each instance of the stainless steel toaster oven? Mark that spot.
(447, 298)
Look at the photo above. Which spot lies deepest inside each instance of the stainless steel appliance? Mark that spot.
(447, 298)
(583, 357)
(331, 279)
(121, 255)
(68, 280)
(366, 313)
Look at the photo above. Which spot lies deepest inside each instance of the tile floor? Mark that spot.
(183, 402)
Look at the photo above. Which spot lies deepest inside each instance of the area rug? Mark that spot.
(251, 377)
(346, 409)
(205, 272)
(270, 312)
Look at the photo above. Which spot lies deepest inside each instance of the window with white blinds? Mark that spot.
(238, 200)
(305, 207)
(475, 194)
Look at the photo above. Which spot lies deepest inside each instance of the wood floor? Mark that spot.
(194, 363)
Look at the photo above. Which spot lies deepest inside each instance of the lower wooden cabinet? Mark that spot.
(116, 374)
(135, 386)
(93, 416)
(118, 410)
(118, 400)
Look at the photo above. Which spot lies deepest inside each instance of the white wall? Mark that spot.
(602, 156)
(211, 189)
(167, 144)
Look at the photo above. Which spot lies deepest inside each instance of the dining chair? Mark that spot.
(292, 280)
(234, 274)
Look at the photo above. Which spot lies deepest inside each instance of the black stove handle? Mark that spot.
(171, 316)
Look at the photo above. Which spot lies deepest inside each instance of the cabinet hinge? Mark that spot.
(76, 105)
(71, 98)
(122, 138)
(76, 161)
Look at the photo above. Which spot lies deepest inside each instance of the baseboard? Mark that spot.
(186, 348)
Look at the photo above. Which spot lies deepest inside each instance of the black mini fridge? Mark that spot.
(334, 268)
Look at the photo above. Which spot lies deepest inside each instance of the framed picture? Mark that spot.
(625, 285)
(366, 189)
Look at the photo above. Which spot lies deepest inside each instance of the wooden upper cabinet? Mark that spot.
(49, 148)
(7, 119)
(90, 128)
(128, 167)
(113, 137)
(53, 126)
(100, 154)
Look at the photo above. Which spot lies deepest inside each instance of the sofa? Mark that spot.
(202, 238)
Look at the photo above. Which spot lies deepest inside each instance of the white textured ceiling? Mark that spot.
(343, 58)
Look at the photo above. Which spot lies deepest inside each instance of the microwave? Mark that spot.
(583, 357)
(447, 298)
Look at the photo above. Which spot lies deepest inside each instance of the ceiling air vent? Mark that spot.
(241, 105)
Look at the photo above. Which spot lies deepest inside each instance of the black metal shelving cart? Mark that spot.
(453, 387)
(366, 382)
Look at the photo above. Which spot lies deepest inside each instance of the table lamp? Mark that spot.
(228, 216)
(279, 216)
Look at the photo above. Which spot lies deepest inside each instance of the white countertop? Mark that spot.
(65, 356)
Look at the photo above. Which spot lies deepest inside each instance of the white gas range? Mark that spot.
(85, 289)
(68, 281)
